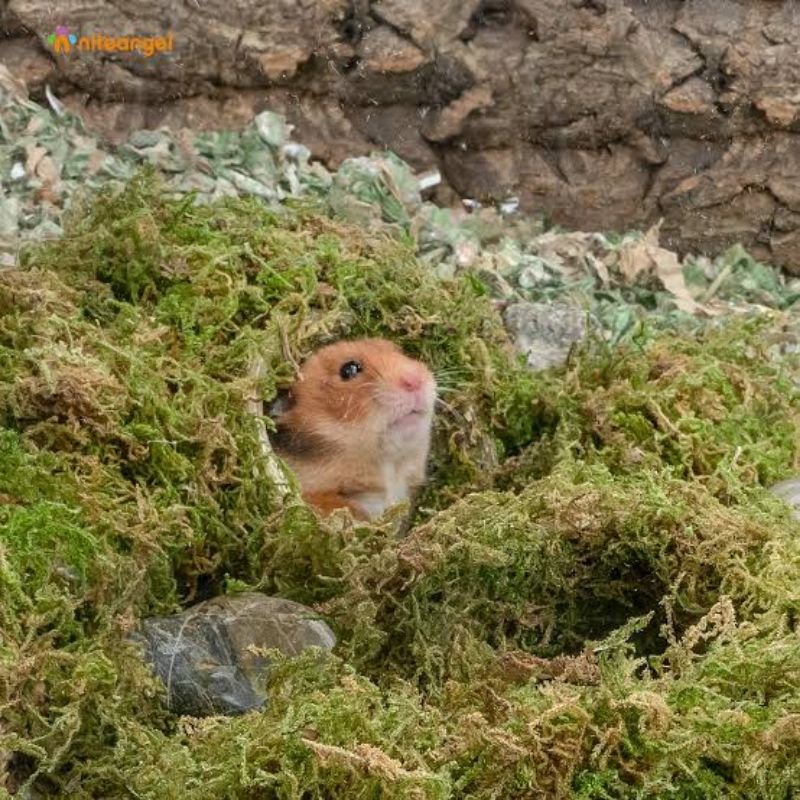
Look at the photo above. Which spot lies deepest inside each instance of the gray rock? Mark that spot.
(789, 492)
(204, 654)
(544, 332)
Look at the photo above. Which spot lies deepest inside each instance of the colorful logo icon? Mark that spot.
(62, 40)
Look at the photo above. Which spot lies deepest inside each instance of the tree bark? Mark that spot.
(605, 114)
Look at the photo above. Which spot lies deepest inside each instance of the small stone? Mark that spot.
(205, 654)
(789, 492)
(544, 332)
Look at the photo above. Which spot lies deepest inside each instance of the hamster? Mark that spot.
(355, 427)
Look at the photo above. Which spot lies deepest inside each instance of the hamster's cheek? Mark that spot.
(431, 395)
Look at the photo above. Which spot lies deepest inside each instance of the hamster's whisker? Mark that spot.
(347, 409)
(448, 379)
(375, 391)
(440, 403)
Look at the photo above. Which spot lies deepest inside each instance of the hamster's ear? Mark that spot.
(281, 404)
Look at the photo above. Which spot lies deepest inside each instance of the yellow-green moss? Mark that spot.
(597, 599)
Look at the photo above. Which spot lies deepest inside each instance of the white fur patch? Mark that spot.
(375, 503)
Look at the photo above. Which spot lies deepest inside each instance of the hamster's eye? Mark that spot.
(349, 370)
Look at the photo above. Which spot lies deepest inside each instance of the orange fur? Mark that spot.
(327, 502)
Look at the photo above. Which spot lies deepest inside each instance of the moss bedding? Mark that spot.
(598, 597)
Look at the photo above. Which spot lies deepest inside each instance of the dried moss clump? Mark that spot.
(597, 598)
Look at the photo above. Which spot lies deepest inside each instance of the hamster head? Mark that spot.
(365, 393)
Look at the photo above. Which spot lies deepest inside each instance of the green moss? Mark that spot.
(570, 557)
(601, 728)
(714, 408)
(597, 597)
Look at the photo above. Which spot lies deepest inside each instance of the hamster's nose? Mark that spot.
(411, 381)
